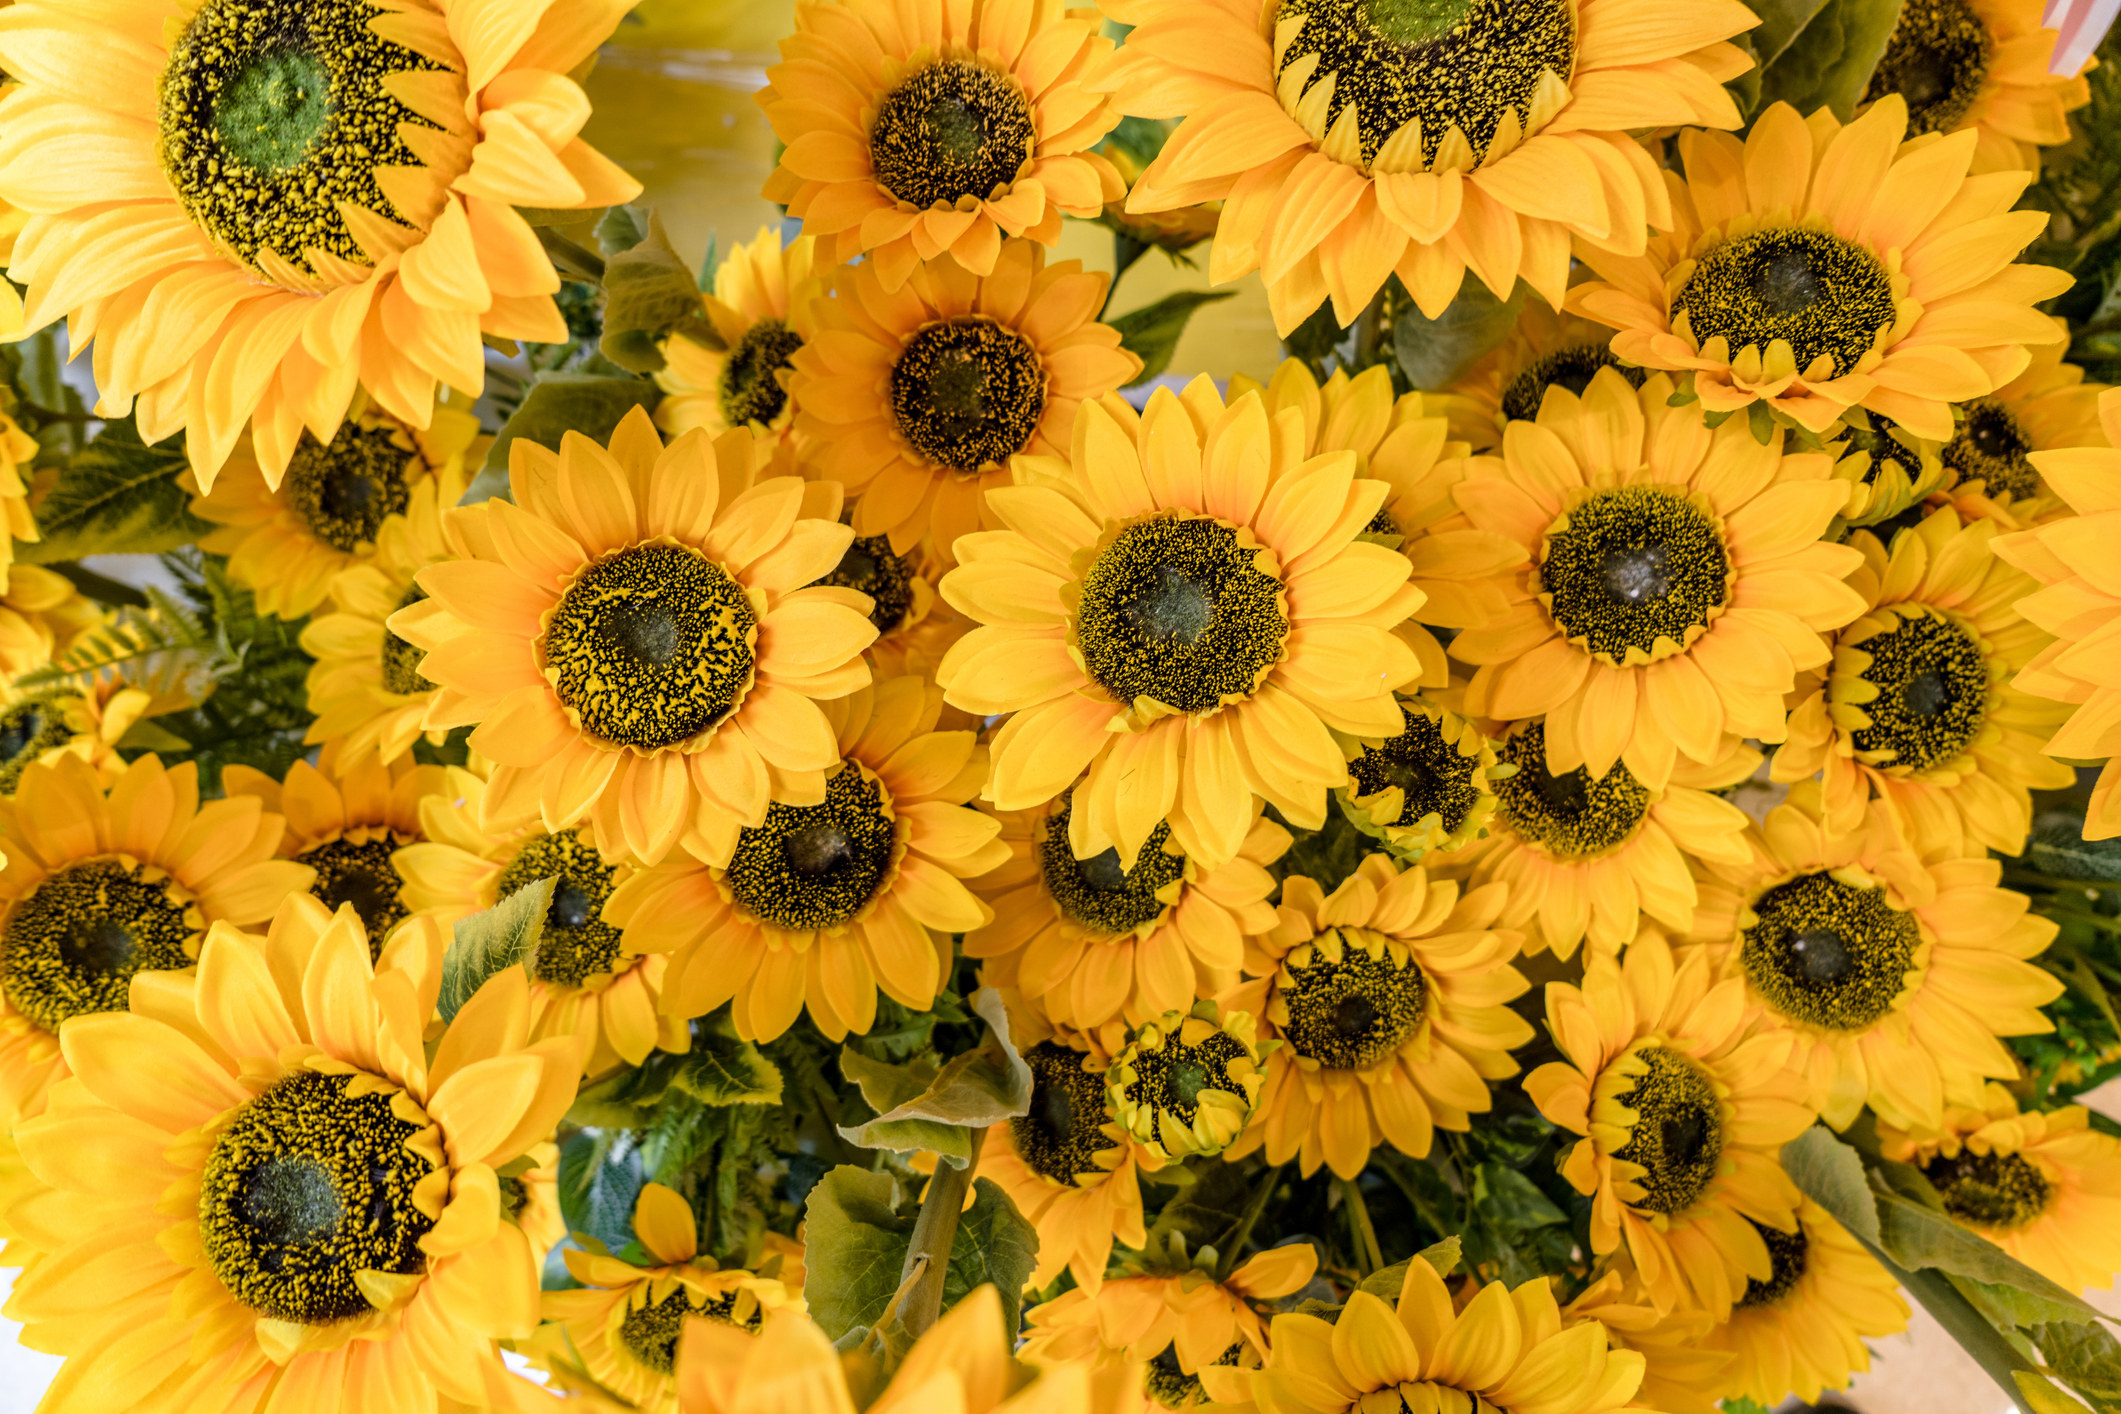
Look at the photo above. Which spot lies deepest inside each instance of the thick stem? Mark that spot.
(928, 1259)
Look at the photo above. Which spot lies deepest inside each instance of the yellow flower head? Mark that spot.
(17, 448)
(287, 199)
(71, 718)
(1188, 1082)
(1886, 469)
(2049, 407)
(1980, 65)
(1544, 349)
(761, 312)
(1430, 788)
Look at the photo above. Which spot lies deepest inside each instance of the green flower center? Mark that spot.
(1572, 368)
(1063, 1132)
(817, 866)
(344, 492)
(871, 568)
(750, 389)
(952, 131)
(1991, 449)
(306, 1187)
(1678, 1130)
(577, 943)
(363, 875)
(1814, 291)
(1569, 817)
(650, 1330)
(1932, 683)
(967, 395)
(1937, 59)
(28, 730)
(652, 645)
(1166, 1381)
(1995, 1191)
(1096, 892)
(1430, 774)
(401, 661)
(1787, 1251)
(1354, 1013)
(1829, 954)
(75, 944)
(1636, 571)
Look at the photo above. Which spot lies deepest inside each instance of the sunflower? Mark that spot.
(1389, 997)
(915, 399)
(87, 720)
(1351, 141)
(1430, 788)
(760, 310)
(912, 134)
(820, 906)
(1086, 940)
(1188, 1082)
(1887, 470)
(1185, 610)
(1813, 268)
(1980, 65)
(1679, 1375)
(287, 542)
(913, 629)
(1545, 348)
(1918, 707)
(41, 614)
(282, 198)
(634, 639)
(1895, 972)
(1584, 858)
(1684, 1111)
(2080, 604)
(1676, 586)
(1802, 1330)
(583, 981)
(308, 1205)
(622, 1326)
(103, 882)
(2048, 407)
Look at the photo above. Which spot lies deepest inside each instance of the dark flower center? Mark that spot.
(576, 944)
(816, 866)
(1063, 1133)
(1932, 683)
(1166, 1381)
(951, 131)
(1096, 892)
(1937, 59)
(1995, 1191)
(1787, 1251)
(362, 874)
(1991, 449)
(1354, 1013)
(1433, 778)
(1169, 1079)
(870, 567)
(1572, 368)
(401, 661)
(28, 730)
(1634, 572)
(75, 944)
(1828, 953)
(1570, 816)
(344, 492)
(650, 1330)
(1816, 292)
(968, 394)
(1678, 1132)
(750, 387)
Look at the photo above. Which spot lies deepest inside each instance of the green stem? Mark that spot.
(99, 587)
(1373, 1257)
(571, 259)
(928, 1258)
(1233, 1242)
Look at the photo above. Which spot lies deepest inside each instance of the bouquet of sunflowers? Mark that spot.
(814, 831)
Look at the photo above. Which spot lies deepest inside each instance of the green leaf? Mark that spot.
(621, 228)
(1433, 352)
(920, 1106)
(1917, 1237)
(559, 403)
(492, 939)
(2061, 851)
(1830, 61)
(1386, 1282)
(1781, 21)
(117, 495)
(600, 1177)
(721, 1070)
(2087, 1358)
(1997, 1357)
(1829, 1173)
(1151, 333)
(649, 292)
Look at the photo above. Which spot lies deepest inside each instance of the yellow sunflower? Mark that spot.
(2080, 604)
(106, 881)
(1980, 65)
(1918, 707)
(1886, 469)
(1585, 858)
(1676, 585)
(912, 133)
(913, 627)
(1802, 1331)
(2049, 407)
(622, 1326)
(1684, 1109)
(1187, 1083)
(821, 906)
(1679, 1375)
(760, 310)
(634, 638)
(1350, 142)
(1185, 610)
(307, 1204)
(915, 399)
(1895, 972)
(1389, 997)
(41, 614)
(1085, 940)
(87, 720)
(2042, 1185)
(1545, 348)
(281, 199)
(334, 505)
(583, 981)
(1431, 788)
(1813, 268)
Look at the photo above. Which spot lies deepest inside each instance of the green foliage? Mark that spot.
(558, 403)
(1151, 333)
(2076, 884)
(492, 940)
(1432, 352)
(921, 1105)
(1828, 58)
(115, 495)
(600, 1177)
(649, 291)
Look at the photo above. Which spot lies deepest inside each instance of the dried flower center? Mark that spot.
(344, 492)
(1678, 1131)
(74, 945)
(360, 872)
(1996, 1191)
(968, 394)
(577, 943)
(1572, 368)
(1828, 953)
(401, 661)
(274, 113)
(1635, 575)
(817, 866)
(1932, 683)
(1991, 449)
(1787, 1251)
(871, 568)
(1432, 777)
(1062, 1134)
(1096, 892)
(1166, 1381)
(1569, 817)
(651, 645)
(1353, 1013)
(1816, 292)
(750, 386)
(28, 730)
(650, 1330)
(952, 132)
(1937, 60)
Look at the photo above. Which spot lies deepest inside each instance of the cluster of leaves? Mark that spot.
(2076, 883)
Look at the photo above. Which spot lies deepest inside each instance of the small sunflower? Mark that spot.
(1887, 470)
(329, 511)
(1352, 141)
(1188, 1082)
(2080, 604)
(41, 614)
(2049, 407)
(1684, 1111)
(1980, 65)
(583, 981)
(821, 906)
(1918, 707)
(1431, 788)
(1679, 1375)
(307, 195)
(916, 399)
(1389, 997)
(913, 628)
(1895, 972)
(1814, 268)
(622, 1326)
(2043, 1185)
(1676, 584)
(325, 1197)
(909, 141)
(760, 310)
(1185, 609)
(1086, 940)
(87, 720)
(1586, 858)
(105, 881)
(1544, 349)
(634, 639)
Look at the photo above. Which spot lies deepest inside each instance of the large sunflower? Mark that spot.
(634, 638)
(916, 399)
(1684, 1109)
(254, 205)
(1085, 940)
(1896, 972)
(1814, 268)
(1677, 583)
(1351, 141)
(2049, 407)
(2080, 604)
(41, 614)
(1980, 65)
(1918, 706)
(137, 868)
(1389, 997)
(760, 310)
(912, 133)
(306, 1205)
(821, 906)
(1185, 609)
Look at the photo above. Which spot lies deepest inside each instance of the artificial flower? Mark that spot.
(759, 310)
